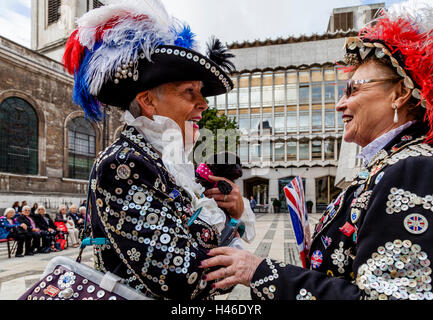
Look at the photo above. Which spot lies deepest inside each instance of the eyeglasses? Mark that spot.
(351, 83)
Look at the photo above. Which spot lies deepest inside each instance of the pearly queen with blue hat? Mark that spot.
(129, 46)
(140, 202)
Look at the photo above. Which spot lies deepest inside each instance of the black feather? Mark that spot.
(220, 54)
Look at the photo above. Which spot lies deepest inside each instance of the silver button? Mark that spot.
(100, 294)
(90, 289)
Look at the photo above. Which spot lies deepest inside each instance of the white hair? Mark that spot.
(40, 207)
(25, 208)
(8, 210)
(81, 208)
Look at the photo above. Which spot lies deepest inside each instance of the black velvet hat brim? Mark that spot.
(169, 64)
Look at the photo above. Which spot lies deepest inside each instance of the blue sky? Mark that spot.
(230, 20)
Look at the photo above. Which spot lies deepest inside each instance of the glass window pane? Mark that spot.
(291, 151)
(18, 137)
(255, 152)
(316, 92)
(267, 124)
(279, 151)
(267, 96)
(279, 123)
(304, 120)
(243, 125)
(330, 92)
(243, 152)
(267, 150)
(329, 149)
(304, 150)
(291, 94)
(82, 148)
(329, 118)
(255, 124)
(291, 121)
(316, 146)
(317, 120)
(304, 94)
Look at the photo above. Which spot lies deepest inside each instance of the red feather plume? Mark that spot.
(74, 53)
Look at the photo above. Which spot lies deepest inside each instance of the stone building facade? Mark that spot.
(46, 144)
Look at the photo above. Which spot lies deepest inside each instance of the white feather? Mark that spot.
(119, 44)
(418, 11)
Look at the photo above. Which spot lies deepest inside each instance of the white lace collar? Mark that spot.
(166, 137)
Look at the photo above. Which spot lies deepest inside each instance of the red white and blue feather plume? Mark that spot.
(112, 35)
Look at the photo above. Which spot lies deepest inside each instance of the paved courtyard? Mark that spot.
(274, 238)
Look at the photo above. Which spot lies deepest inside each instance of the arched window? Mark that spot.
(18, 137)
(81, 146)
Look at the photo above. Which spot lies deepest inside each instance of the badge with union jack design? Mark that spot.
(316, 259)
(415, 223)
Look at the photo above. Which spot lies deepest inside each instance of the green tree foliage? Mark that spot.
(217, 127)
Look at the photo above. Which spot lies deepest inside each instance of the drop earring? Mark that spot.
(394, 106)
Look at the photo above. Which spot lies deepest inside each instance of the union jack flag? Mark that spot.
(294, 193)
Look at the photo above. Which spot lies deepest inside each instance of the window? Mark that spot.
(18, 119)
(343, 21)
(255, 152)
(304, 94)
(316, 92)
(330, 118)
(53, 11)
(243, 152)
(304, 150)
(329, 92)
(243, 125)
(291, 121)
(255, 124)
(317, 120)
(279, 151)
(329, 149)
(267, 124)
(316, 146)
(81, 147)
(266, 146)
(304, 120)
(291, 151)
(279, 123)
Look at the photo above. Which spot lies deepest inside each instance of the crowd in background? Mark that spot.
(35, 231)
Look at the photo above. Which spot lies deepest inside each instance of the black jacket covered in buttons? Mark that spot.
(136, 204)
(375, 241)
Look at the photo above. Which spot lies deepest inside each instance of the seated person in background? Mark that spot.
(76, 216)
(16, 206)
(32, 231)
(48, 230)
(63, 216)
(10, 229)
(228, 165)
(33, 210)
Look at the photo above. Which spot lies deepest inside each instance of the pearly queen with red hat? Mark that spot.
(403, 34)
